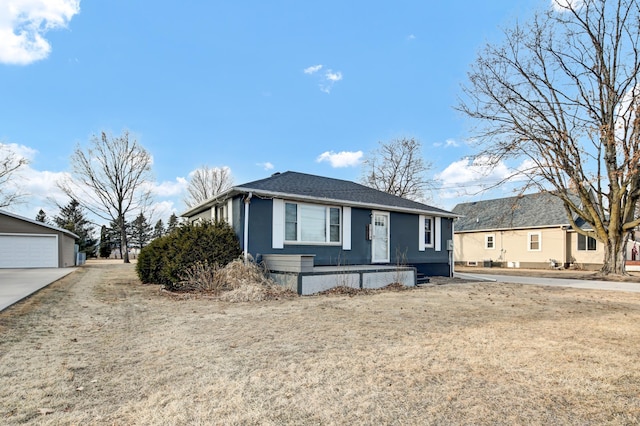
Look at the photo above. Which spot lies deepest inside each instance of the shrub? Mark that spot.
(165, 258)
(201, 276)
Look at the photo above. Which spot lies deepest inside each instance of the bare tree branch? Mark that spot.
(111, 179)
(207, 182)
(563, 92)
(10, 162)
(397, 168)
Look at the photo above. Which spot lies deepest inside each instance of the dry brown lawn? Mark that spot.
(97, 347)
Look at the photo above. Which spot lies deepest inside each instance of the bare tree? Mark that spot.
(207, 182)
(10, 162)
(111, 179)
(397, 168)
(562, 92)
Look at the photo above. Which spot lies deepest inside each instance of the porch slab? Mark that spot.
(323, 278)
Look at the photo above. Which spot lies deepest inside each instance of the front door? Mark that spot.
(380, 238)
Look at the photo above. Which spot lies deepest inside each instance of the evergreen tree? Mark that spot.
(140, 231)
(72, 218)
(158, 230)
(105, 242)
(173, 223)
(115, 234)
(42, 217)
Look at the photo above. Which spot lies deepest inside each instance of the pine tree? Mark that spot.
(72, 218)
(173, 223)
(158, 230)
(140, 232)
(105, 242)
(115, 236)
(42, 217)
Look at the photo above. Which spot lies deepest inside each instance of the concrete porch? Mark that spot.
(355, 276)
(298, 273)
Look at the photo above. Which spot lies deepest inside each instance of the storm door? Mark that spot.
(380, 238)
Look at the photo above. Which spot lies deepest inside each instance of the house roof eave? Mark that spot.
(291, 196)
(35, 222)
(521, 228)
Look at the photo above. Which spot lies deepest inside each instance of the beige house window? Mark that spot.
(490, 241)
(535, 241)
(586, 243)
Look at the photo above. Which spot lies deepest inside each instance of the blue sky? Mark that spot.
(255, 86)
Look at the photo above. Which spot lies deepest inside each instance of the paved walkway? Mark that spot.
(554, 282)
(16, 284)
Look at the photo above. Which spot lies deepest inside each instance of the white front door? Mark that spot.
(380, 238)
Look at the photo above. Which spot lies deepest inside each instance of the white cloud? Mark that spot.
(23, 24)
(411, 37)
(564, 5)
(341, 159)
(161, 210)
(326, 79)
(449, 143)
(170, 188)
(267, 166)
(469, 177)
(333, 76)
(313, 69)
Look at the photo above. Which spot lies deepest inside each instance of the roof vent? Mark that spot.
(275, 174)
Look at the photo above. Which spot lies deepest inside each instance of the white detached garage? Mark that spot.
(26, 243)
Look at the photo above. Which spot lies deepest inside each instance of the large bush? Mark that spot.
(166, 258)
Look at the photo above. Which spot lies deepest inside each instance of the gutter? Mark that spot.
(247, 201)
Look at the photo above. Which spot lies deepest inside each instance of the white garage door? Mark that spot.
(28, 251)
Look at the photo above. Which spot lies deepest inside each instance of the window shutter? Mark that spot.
(346, 228)
(421, 245)
(437, 230)
(229, 215)
(277, 231)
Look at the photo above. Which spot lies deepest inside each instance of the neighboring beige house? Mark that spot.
(528, 231)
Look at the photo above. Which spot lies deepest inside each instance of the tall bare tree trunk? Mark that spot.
(615, 256)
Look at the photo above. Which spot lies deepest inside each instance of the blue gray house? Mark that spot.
(325, 222)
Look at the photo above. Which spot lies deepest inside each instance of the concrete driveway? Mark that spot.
(554, 282)
(16, 284)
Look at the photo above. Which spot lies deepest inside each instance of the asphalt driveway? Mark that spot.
(555, 282)
(16, 284)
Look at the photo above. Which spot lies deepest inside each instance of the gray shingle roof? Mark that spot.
(323, 189)
(526, 211)
(35, 222)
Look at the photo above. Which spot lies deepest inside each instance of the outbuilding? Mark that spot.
(27, 243)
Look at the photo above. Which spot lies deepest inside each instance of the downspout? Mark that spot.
(247, 201)
(452, 258)
(565, 253)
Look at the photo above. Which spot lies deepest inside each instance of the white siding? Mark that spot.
(277, 231)
(346, 228)
(421, 244)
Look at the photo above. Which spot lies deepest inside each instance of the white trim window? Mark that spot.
(490, 241)
(586, 243)
(312, 223)
(534, 241)
(428, 232)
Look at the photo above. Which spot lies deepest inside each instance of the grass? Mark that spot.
(97, 347)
